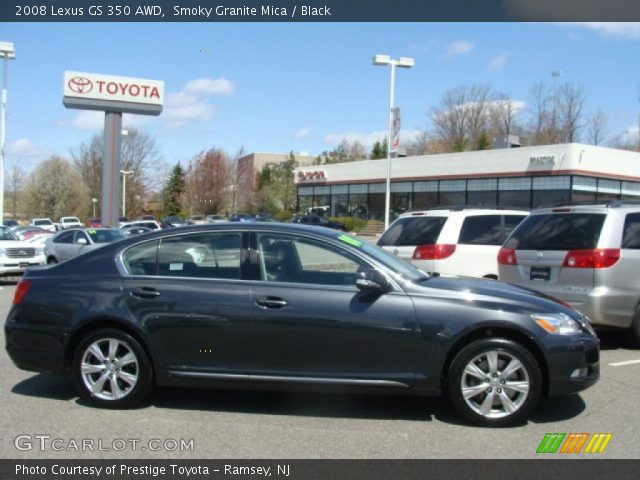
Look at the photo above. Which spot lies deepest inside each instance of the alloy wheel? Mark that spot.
(109, 369)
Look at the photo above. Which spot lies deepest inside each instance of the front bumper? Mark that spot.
(10, 267)
(573, 362)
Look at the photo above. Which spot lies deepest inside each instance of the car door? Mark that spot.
(312, 322)
(186, 290)
(62, 246)
(80, 244)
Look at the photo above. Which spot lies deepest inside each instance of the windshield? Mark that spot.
(6, 234)
(105, 236)
(42, 222)
(70, 220)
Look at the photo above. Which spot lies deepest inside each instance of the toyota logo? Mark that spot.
(80, 84)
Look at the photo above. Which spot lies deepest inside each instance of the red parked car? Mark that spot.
(94, 223)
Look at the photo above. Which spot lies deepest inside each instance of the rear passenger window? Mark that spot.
(66, 237)
(201, 255)
(511, 222)
(142, 259)
(481, 230)
(409, 231)
(631, 235)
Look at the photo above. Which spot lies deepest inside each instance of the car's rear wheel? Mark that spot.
(111, 369)
(635, 328)
(494, 382)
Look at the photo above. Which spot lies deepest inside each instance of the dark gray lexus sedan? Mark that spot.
(268, 305)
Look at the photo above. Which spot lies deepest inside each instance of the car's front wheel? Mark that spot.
(111, 369)
(494, 382)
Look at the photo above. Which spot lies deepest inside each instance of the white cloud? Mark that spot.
(302, 134)
(210, 86)
(458, 48)
(182, 108)
(23, 147)
(499, 61)
(368, 138)
(612, 30)
(631, 135)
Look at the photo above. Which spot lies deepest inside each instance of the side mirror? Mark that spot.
(82, 241)
(372, 281)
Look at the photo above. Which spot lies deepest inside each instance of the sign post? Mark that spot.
(114, 96)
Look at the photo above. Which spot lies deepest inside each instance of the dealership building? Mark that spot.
(525, 177)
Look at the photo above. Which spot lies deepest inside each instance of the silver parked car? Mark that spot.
(70, 243)
(586, 255)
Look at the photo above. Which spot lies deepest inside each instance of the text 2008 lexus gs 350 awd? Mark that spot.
(267, 305)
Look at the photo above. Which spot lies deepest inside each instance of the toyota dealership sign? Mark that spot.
(93, 91)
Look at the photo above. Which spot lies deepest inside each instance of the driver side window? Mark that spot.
(301, 260)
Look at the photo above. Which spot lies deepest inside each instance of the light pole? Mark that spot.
(7, 52)
(402, 62)
(124, 189)
(94, 201)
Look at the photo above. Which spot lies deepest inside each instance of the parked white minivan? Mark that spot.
(460, 241)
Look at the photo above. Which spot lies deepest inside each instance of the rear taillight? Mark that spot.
(507, 256)
(592, 258)
(433, 252)
(21, 290)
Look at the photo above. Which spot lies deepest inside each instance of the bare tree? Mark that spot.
(15, 179)
(543, 127)
(597, 127)
(504, 115)
(55, 189)
(206, 182)
(139, 154)
(572, 99)
(461, 117)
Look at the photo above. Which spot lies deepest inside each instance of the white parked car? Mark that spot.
(151, 224)
(16, 255)
(70, 222)
(452, 241)
(45, 223)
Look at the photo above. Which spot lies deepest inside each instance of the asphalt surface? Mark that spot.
(237, 424)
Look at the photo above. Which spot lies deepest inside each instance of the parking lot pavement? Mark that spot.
(236, 424)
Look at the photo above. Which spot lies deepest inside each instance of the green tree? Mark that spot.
(379, 150)
(483, 143)
(172, 191)
(276, 186)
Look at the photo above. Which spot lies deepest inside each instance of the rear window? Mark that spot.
(413, 231)
(560, 231)
(42, 222)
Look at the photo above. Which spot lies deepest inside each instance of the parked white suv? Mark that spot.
(16, 255)
(586, 255)
(70, 222)
(452, 241)
(44, 223)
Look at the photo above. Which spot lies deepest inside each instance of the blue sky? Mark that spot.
(302, 87)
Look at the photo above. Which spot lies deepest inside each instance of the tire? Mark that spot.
(472, 370)
(123, 385)
(52, 261)
(635, 328)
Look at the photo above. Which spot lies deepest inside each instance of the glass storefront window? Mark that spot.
(514, 198)
(482, 198)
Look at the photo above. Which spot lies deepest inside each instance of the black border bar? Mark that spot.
(319, 10)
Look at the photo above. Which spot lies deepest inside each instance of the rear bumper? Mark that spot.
(574, 365)
(36, 349)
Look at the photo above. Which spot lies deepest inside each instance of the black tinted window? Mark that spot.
(631, 236)
(481, 230)
(559, 231)
(105, 236)
(413, 231)
(66, 237)
(141, 259)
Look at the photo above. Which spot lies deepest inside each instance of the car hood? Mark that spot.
(491, 293)
(15, 244)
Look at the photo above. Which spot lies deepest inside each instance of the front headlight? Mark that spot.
(39, 251)
(556, 323)
(1, 252)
